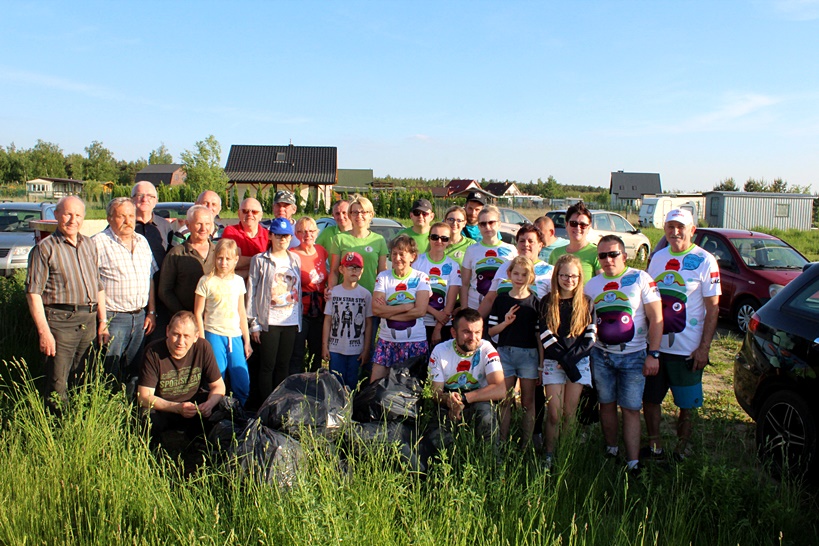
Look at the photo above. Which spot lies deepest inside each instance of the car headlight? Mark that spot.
(774, 289)
(21, 250)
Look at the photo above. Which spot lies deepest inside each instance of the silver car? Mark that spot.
(608, 223)
(16, 235)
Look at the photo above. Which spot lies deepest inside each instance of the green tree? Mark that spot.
(75, 166)
(47, 160)
(100, 163)
(18, 165)
(778, 186)
(234, 199)
(753, 185)
(160, 156)
(129, 169)
(203, 168)
(727, 185)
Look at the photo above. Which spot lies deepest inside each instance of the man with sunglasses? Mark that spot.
(422, 216)
(249, 237)
(629, 318)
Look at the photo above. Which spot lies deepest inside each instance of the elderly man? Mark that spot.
(66, 299)
(179, 381)
(551, 242)
(475, 202)
(629, 319)
(208, 199)
(155, 229)
(185, 264)
(126, 266)
(249, 236)
(689, 283)
(341, 210)
(422, 216)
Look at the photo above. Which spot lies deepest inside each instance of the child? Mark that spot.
(518, 342)
(400, 298)
(568, 334)
(346, 334)
(219, 297)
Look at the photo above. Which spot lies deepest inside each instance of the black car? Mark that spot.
(775, 376)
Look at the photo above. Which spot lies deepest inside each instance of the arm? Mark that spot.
(417, 310)
(709, 328)
(466, 279)
(508, 320)
(654, 317)
(325, 338)
(199, 313)
(254, 280)
(332, 280)
(381, 309)
(243, 326)
(216, 391)
(48, 346)
(167, 281)
(148, 400)
(368, 330)
(486, 304)
(150, 315)
(102, 329)
(382, 264)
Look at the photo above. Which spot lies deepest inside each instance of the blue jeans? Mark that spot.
(230, 356)
(619, 377)
(347, 367)
(127, 332)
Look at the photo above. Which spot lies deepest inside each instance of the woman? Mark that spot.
(371, 246)
(444, 281)
(313, 259)
(456, 218)
(482, 260)
(274, 305)
(578, 224)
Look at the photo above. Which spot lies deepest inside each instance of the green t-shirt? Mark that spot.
(587, 256)
(325, 238)
(371, 248)
(456, 252)
(421, 240)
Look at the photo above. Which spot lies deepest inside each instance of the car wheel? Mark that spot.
(743, 312)
(786, 434)
(642, 253)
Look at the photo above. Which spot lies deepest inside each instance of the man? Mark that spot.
(551, 242)
(249, 236)
(629, 318)
(66, 299)
(284, 206)
(341, 215)
(126, 266)
(185, 264)
(475, 202)
(689, 283)
(422, 216)
(213, 202)
(467, 376)
(179, 382)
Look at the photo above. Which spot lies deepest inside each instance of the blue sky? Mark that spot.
(697, 90)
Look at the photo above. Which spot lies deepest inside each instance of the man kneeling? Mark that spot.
(179, 382)
(467, 375)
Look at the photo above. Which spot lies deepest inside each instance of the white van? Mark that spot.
(654, 209)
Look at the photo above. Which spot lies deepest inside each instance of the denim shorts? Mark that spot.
(552, 375)
(519, 362)
(619, 377)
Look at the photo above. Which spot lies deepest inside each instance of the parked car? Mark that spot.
(16, 235)
(775, 376)
(173, 210)
(511, 222)
(753, 267)
(604, 222)
(383, 226)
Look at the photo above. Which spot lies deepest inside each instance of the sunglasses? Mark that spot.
(613, 254)
(251, 211)
(487, 224)
(575, 223)
(420, 213)
(436, 237)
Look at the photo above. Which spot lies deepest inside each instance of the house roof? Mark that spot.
(313, 165)
(66, 180)
(499, 188)
(634, 185)
(458, 186)
(166, 168)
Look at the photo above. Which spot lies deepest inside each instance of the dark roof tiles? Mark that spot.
(315, 165)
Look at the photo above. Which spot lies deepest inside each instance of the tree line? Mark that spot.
(753, 185)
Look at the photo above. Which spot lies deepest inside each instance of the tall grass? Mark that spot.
(91, 478)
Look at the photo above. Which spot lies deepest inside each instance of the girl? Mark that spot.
(400, 298)
(514, 319)
(568, 334)
(456, 217)
(219, 298)
(483, 259)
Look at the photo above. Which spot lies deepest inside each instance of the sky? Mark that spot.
(697, 91)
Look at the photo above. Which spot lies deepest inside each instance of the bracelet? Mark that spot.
(152, 312)
(464, 401)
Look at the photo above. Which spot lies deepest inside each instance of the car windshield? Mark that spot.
(768, 254)
(17, 220)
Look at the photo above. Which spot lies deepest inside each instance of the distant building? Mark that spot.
(52, 188)
(169, 174)
(629, 189)
(503, 189)
(460, 188)
(747, 210)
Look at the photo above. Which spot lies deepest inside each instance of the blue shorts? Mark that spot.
(519, 362)
(619, 377)
(552, 375)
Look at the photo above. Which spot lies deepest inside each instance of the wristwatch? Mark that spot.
(654, 354)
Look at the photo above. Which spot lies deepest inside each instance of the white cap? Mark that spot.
(680, 215)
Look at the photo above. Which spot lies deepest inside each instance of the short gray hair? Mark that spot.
(202, 195)
(197, 209)
(116, 203)
(134, 189)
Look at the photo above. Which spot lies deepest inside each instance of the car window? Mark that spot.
(620, 223)
(559, 219)
(602, 222)
(768, 253)
(387, 232)
(719, 250)
(17, 220)
(514, 217)
(806, 301)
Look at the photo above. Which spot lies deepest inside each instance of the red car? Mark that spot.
(753, 268)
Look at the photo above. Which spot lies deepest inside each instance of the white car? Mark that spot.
(608, 223)
(16, 235)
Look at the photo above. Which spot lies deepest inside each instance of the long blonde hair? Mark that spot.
(581, 315)
(226, 245)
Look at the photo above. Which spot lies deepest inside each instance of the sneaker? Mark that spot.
(679, 456)
(635, 471)
(611, 452)
(648, 453)
(548, 459)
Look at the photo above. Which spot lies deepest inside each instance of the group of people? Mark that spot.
(245, 305)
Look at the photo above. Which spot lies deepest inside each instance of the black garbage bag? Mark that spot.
(393, 397)
(222, 434)
(317, 401)
(267, 455)
(363, 436)
(229, 409)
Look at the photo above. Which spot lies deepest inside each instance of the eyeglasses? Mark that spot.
(250, 211)
(488, 223)
(141, 196)
(307, 231)
(359, 212)
(436, 237)
(613, 254)
(565, 277)
(455, 221)
(575, 223)
(419, 212)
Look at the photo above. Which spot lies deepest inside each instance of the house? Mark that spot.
(271, 168)
(169, 174)
(503, 189)
(51, 188)
(460, 188)
(628, 189)
(747, 210)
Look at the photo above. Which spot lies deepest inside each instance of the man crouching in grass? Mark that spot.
(179, 383)
(466, 377)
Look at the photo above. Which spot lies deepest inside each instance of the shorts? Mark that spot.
(519, 362)
(619, 377)
(389, 353)
(675, 373)
(552, 375)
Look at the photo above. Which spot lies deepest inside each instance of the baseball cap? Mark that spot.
(280, 226)
(476, 196)
(284, 196)
(353, 259)
(680, 215)
(421, 204)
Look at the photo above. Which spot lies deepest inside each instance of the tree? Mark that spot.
(129, 169)
(203, 168)
(160, 156)
(778, 186)
(727, 185)
(47, 160)
(100, 163)
(753, 185)
(75, 166)
(18, 166)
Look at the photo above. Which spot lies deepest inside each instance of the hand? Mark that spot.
(256, 337)
(510, 315)
(102, 334)
(436, 334)
(149, 324)
(456, 406)
(48, 345)
(325, 354)
(651, 366)
(248, 349)
(364, 357)
(206, 408)
(187, 409)
(700, 356)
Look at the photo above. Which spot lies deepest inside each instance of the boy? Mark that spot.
(347, 323)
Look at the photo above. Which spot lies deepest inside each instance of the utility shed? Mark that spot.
(747, 210)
